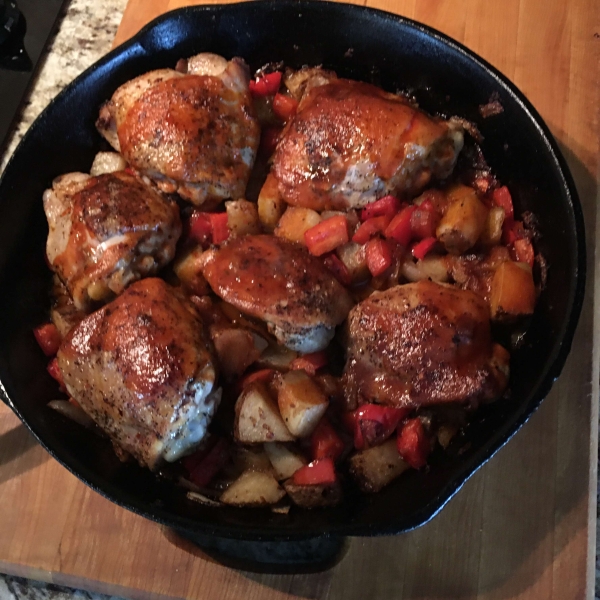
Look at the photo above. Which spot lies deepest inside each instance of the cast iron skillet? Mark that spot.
(356, 42)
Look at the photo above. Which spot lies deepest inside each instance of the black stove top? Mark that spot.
(25, 27)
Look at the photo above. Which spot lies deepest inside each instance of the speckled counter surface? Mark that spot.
(85, 34)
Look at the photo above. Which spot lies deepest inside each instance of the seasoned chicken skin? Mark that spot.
(423, 343)
(106, 232)
(193, 132)
(278, 282)
(142, 367)
(351, 143)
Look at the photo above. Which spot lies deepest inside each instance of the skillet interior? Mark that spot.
(358, 43)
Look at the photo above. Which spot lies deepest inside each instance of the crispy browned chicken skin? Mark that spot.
(143, 369)
(106, 232)
(278, 282)
(351, 143)
(423, 343)
(194, 132)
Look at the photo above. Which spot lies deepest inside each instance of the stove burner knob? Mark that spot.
(11, 21)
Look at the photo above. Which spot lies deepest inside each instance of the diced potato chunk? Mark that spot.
(285, 462)
(464, 221)
(187, 269)
(513, 291)
(270, 204)
(312, 496)
(236, 348)
(107, 162)
(253, 488)
(301, 401)
(277, 357)
(295, 222)
(257, 417)
(242, 217)
(375, 467)
(354, 257)
(492, 232)
(434, 267)
(252, 458)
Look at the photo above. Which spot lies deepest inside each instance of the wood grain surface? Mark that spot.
(522, 528)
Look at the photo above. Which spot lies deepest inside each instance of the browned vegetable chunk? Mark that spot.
(301, 401)
(464, 221)
(257, 417)
(253, 488)
(312, 496)
(295, 222)
(513, 291)
(236, 349)
(375, 467)
(270, 204)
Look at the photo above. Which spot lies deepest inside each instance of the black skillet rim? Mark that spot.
(424, 515)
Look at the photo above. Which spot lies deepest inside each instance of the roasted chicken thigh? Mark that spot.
(106, 232)
(193, 132)
(351, 143)
(278, 282)
(423, 343)
(143, 368)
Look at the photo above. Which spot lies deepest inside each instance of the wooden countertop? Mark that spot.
(523, 527)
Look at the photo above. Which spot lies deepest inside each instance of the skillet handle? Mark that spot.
(311, 555)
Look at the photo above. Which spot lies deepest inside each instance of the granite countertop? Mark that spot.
(85, 34)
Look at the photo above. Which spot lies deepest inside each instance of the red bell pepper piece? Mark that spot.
(317, 472)
(203, 466)
(422, 248)
(413, 444)
(374, 423)
(501, 197)
(424, 221)
(310, 363)
(512, 231)
(220, 228)
(48, 338)
(387, 206)
(267, 85)
(379, 256)
(269, 138)
(56, 373)
(200, 228)
(338, 268)
(400, 228)
(261, 375)
(325, 442)
(327, 235)
(369, 228)
(284, 107)
(523, 251)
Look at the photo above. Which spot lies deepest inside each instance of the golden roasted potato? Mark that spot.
(257, 418)
(242, 217)
(375, 467)
(270, 204)
(251, 458)
(464, 221)
(354, 257)
(253, 488)
(285, 462)
(312, 496)
(187, 269)
(492, 232)
(301, 402)
(236, 348)
(513, 291)
(295, 221)
(277, 357)
(107, 162)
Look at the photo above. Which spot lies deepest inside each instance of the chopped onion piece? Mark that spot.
(75, 413)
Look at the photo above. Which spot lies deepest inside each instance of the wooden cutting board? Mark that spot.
(522, 528)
